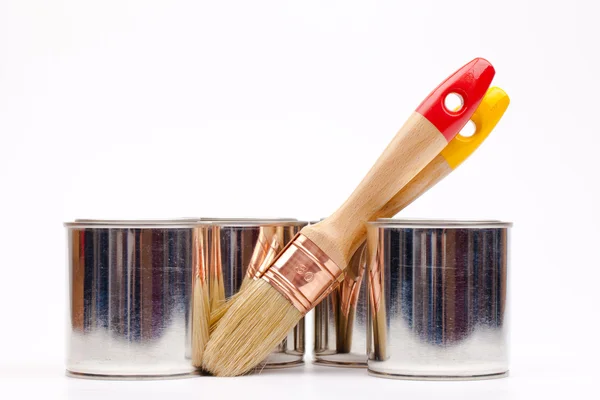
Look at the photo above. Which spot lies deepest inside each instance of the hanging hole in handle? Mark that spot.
(469, 129)
(453, 102)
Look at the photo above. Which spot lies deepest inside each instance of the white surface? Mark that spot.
(154, 109)
(308, 383)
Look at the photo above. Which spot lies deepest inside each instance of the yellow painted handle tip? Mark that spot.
(490, 111)
(496, 102)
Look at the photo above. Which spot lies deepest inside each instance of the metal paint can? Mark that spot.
(239, 250)
(131, 285)
(437, 299)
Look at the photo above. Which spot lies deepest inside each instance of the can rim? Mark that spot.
(252, 222)
(133, 223)
(181, 222)
(438, 223)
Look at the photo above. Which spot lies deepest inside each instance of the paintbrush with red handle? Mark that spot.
(312, 264)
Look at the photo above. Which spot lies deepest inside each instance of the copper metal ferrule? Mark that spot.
(303, 273)
(350, 287)
(268, 245)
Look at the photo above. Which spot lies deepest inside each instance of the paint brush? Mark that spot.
(311, 266)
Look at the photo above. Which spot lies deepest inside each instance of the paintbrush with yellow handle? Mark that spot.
(311, 266)
(485, 118)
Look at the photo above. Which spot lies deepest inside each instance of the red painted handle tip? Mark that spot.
(471, 83)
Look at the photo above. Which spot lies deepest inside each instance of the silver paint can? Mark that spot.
(238, 251)
(437, 299)
(131, 285)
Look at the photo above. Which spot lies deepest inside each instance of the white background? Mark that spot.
(159, 109)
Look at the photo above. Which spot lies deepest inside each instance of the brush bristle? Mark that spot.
(217, 313)
(252, 327)
(200, 323)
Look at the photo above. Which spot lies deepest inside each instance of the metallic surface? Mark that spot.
(303, 273)
(239, 250)
(269, 243)
(438, 377)
(437, 296)
(130, 286)
(341, 320)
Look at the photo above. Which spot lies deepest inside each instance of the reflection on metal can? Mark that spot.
(438, 299)
(341, 320)
(130, 286)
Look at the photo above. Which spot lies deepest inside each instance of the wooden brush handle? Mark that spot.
(422, 137)
(434, 172)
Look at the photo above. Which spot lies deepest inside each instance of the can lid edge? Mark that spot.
(438, 223)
